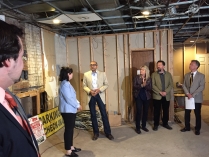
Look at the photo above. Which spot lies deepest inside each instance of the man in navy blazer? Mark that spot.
(193, 86)
(16, 136)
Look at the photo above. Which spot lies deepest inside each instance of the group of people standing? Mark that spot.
(94, 84)
(16, 128)
(157, 87)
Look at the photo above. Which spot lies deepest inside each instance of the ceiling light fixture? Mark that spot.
(56, 21)
(191, 41)
(146, 12)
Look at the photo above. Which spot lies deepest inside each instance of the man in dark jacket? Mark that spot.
(16, 136)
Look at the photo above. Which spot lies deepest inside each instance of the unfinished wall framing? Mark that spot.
(113, 54)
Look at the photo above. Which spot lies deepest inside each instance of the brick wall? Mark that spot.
(34, 55)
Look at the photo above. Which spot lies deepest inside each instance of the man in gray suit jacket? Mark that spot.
(193, 86)
(95, 83)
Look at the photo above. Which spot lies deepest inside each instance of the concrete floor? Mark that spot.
(161, 143)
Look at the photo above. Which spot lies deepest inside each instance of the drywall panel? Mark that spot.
(84, 51)
(51, 87)
(164, 47)
(136, 41)
(149, 39)
(60, 50)
(121, 74)
(97, 51)
(178, 63)
(111, 72)
(72, 62)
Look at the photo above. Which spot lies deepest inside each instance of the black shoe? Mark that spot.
(184, 130)
(138, 131)
(197, 132)
(155, 128)
(145, 129)
(76, 149)
(167, 127)
(95, 137)
(72, 154)
(110, 137)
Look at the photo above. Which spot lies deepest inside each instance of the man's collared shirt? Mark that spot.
(94, 80)
(5, 103)
(194, 73)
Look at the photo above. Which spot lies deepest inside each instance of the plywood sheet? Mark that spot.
(149, 39)
(136, 41)
(157, 51)
(51, 87)
(121, 74)
(72, 62)
(111, 72)
(126, 81)
(164, 47)
(84, 63)
(97, 51)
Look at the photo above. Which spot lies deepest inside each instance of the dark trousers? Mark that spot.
(157, 109)
(92, 106)
(142, 107)
(197, 112)
(69, 121)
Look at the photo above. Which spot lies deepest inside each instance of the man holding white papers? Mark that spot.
(193, 86)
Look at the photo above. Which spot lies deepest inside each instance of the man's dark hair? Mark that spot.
(64, 73)
(197, 63)
(9, 42)
(161, 61)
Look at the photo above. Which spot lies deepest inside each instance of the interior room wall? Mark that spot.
(178, 64)
(54, 57)
(113, 54)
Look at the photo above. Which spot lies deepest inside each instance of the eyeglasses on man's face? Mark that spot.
(93, 64)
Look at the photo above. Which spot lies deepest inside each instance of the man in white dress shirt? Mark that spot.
(95, 83)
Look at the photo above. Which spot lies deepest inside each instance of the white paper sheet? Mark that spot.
(189, 103)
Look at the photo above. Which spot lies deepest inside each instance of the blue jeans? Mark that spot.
(92, 106)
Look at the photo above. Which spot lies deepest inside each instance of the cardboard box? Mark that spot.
(114, 119)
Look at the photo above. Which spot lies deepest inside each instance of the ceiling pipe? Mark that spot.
(115, 24)
(133, 22)
(92, 9)
(188, 19)
(198, 32)
(15, 10)
(163, 6)
(166, 9)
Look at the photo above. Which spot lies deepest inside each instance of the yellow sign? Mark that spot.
(52, 121)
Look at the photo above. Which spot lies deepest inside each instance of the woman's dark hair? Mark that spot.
(9, 41)
(64, 73)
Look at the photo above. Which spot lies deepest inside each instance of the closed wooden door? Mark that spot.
(140, 58)
(204, 66)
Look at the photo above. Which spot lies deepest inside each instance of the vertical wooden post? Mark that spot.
(38, 108)
(117, 61)
(104, 63)
(79, 73)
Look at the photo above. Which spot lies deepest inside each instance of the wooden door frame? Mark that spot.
(130, 67)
